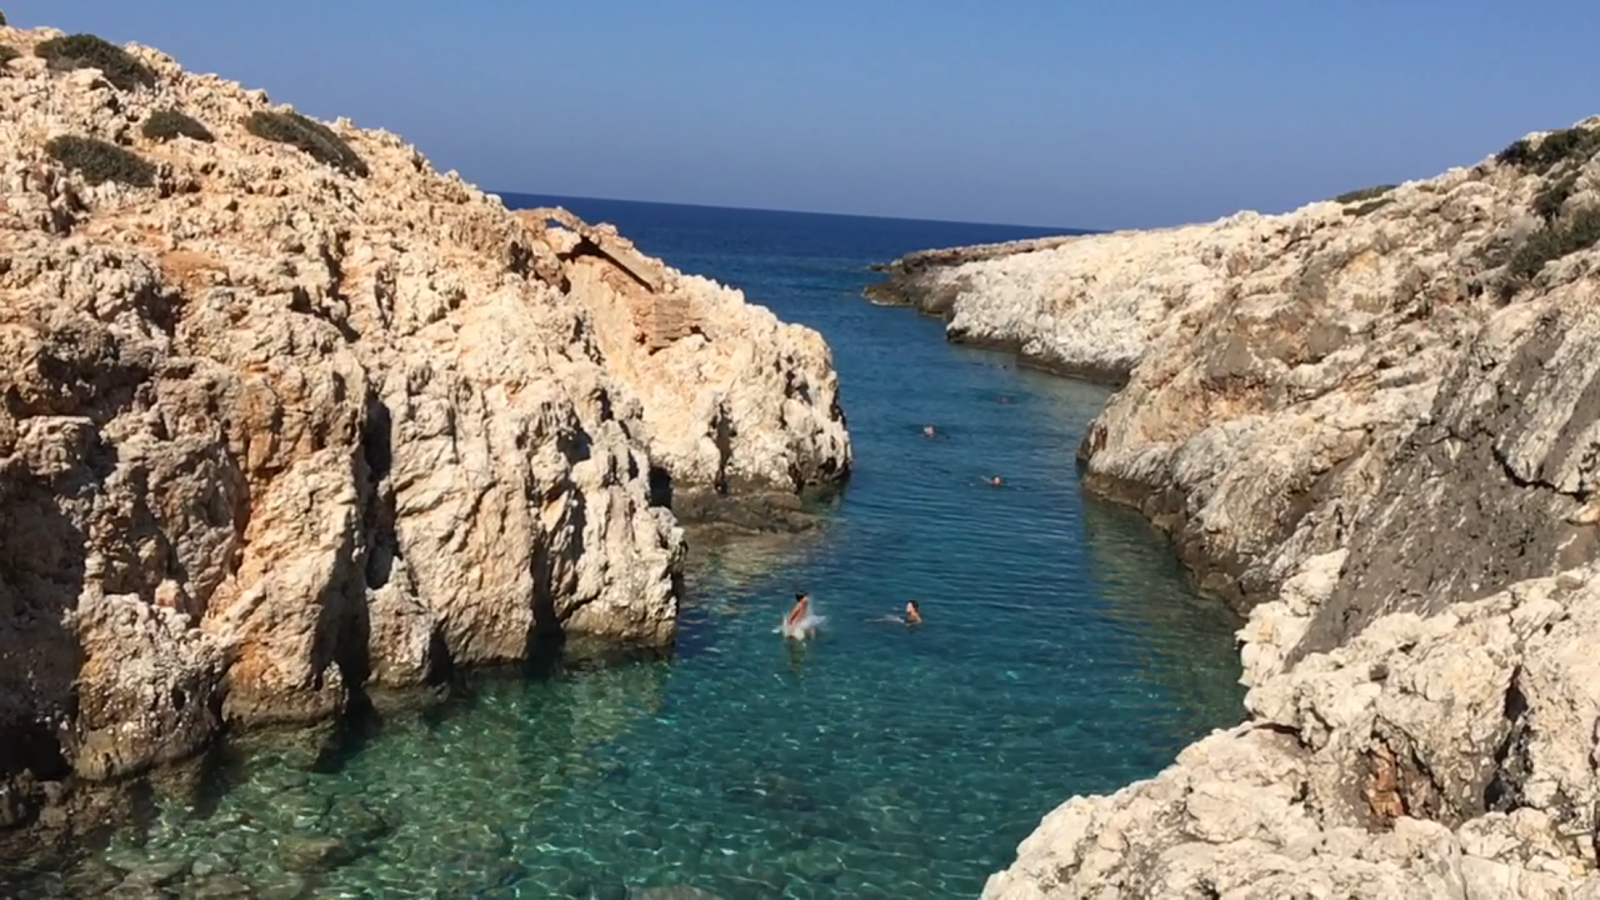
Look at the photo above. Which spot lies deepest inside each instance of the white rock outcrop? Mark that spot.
(1375, 426)
(287, 415)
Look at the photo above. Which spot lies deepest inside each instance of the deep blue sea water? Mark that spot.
(1062, 653)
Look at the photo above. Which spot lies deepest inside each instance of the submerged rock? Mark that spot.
(674, 892)
(160, 873)
(284, 421)
(216, 887)
(1370, 423)
(312, 853)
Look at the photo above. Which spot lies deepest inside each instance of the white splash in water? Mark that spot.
(805, 628)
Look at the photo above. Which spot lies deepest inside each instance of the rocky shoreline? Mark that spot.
(293, 423)
(1370, 424)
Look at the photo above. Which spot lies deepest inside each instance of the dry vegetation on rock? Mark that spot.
(1366, 193)
(87, 51)
(171, 124)
(1561, 159)
(317, 140)
(98, 161)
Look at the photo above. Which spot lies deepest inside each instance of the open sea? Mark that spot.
(1061, 653)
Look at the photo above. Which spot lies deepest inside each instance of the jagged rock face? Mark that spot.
(1446, 756)
(273, 432)
(1373, 425)
(737, 404)
(1495, 487)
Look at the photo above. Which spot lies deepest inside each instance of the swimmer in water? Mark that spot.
(927, 431)
(993, 481)
(802, 602)
(913, 615)
(800, 623)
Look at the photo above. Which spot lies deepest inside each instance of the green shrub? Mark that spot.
(8, 53)
(1557, 147)
(1548, 202)
(86, 51)
(1366, 193)
(1517, 153)
(314, 138)
(99, 162)
(2, 20)
(1548, 244)
(168, 124)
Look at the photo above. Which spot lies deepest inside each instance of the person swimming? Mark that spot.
(913, 615)
(802, 602)
(801, 622)
(927, 431)
(994, 481)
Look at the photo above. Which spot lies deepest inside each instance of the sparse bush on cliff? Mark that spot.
(1578, 144)
(1549, 201)
(1369, 206)
(168, 124)
(314, 138)
(2, 20)
(1366, 193)
(1559, 239)
(8, 53)
(98, 161)
(86, 51)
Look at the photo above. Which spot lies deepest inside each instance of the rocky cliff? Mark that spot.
(289, 417)
(1371, 423)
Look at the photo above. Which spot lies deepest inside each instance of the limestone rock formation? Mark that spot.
(1371, 423)
(739, 407)
(286, 415)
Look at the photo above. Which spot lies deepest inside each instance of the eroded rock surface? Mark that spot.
(274, 431)
(1373, 425)
(741, 408)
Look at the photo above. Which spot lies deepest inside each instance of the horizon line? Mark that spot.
(1058, 229)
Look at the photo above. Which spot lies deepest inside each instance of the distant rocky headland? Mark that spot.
(1373, 424)
(292, 422)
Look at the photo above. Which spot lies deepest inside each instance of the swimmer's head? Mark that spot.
(799, 596)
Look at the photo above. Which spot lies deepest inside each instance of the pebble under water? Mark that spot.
(1062, 653)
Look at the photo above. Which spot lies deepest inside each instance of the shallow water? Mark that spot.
(1061, 653)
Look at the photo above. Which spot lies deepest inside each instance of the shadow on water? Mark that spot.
(1150, 595)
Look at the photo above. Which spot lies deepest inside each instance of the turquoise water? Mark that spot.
(1061, 653)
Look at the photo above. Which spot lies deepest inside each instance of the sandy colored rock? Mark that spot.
(737, 404)
(275, 432)
(1373, 427)
(1423, 758)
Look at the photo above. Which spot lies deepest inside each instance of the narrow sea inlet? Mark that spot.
(1061, 653)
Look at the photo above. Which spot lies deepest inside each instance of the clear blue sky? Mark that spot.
(1056, 112)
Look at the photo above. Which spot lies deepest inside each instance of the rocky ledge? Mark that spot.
(1372, 424)
(289, 418)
